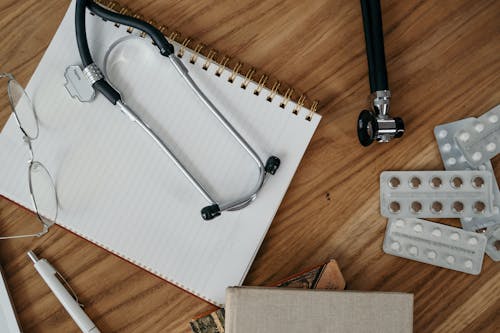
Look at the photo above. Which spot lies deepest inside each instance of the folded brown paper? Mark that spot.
(272, 310)
(325, 276)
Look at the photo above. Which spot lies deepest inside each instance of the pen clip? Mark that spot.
(68, 287)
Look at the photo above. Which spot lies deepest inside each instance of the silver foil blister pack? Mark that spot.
(479, 140)
(436, 194)
(454, 159)
(493, 243)
(435, 244)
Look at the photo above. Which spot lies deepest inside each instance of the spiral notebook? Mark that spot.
(119, 191)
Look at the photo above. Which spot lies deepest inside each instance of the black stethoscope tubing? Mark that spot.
(166, 49)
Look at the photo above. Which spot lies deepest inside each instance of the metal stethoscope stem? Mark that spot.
(376, 124)
(93, 74)
(232, 205)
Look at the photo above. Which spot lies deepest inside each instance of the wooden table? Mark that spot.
(443, 63)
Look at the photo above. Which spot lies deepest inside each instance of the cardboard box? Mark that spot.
(273, 310)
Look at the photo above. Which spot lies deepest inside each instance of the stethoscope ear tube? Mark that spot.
(100, 84)
(166, 49)
(374, 38)
(81, 34)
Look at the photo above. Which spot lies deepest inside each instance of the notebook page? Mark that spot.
(117, 189)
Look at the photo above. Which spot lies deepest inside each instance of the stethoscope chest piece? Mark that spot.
(376, 124)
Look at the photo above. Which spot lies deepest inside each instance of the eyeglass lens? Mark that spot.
(41, 185)
(43, 192)
(23, 108)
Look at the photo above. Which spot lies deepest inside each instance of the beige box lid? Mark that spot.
(273, 310)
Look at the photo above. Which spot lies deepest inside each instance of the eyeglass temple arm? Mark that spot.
(38, 234)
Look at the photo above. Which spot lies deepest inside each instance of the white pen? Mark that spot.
(49, 275)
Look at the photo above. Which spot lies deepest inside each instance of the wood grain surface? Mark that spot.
(443, 60)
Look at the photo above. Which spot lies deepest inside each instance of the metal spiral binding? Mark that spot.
(222, 64)
(300, 104)
(210, 57)
(261, 84)
(274, 91)
(112, 5)
(162, 28)
(248, 78)
(235, 72)
(182, 49)
(312, 110)
(123, 11)
(196, 52)
(286, 98)
(173, 36)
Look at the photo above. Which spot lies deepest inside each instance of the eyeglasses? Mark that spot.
(41, 186)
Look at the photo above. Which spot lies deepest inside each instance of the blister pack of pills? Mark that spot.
(493, 243)
(452, 156)
(479, 140)
(454, 159)
(436, 193)
(435, 244)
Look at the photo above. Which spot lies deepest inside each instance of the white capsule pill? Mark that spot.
(493, 118)
(464, 136)
(446, 147)
(479, 127)
(491, 146)
(436, 233)
(451, 161)
(455, 236)
(395, 246)
(477, 156)
(413, 250)
(468, 264)
(472, 241)
(450, 259)
(442, 134)
(418, 227)
(431, 255)
(400, 223)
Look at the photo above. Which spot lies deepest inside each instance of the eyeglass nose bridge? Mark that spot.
(7, 75)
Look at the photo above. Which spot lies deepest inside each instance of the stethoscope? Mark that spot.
(376, 124)
(99, 83)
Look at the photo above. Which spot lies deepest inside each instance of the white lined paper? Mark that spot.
(119, 191)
